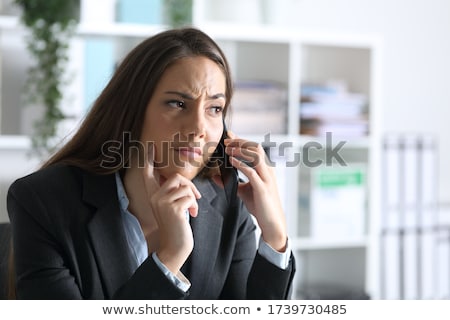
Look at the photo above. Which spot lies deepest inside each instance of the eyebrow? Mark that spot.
(189, 97)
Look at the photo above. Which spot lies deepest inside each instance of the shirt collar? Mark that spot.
(121, 194)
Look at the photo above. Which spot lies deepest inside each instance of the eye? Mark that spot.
(215, 110)
(176, 104)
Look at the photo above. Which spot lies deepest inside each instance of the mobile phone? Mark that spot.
(228, 173)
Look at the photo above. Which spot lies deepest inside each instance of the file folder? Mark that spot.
(409, 260)
(411, 210)
(391, 243)
(427, 198)
(443, 272)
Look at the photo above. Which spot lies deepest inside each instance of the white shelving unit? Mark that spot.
(290, 57)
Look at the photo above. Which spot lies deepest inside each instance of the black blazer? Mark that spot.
(69, 243)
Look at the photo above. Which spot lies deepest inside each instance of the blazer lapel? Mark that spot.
(207, 228)
(106, 232)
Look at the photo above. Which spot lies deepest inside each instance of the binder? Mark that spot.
(412, 262)
(411, 210)
(98, 67)
(390, 243)
(443, 269)
(338, 199)
(427, 197)
(140, 11)
(391, 272)
(428, 265)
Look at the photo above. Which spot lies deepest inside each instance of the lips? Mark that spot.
(189, 152)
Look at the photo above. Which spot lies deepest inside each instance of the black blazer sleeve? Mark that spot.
(268, 282)
(42, 272)
(263, 279)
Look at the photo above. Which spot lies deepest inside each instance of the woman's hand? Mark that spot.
(169, 203)
(260, 194)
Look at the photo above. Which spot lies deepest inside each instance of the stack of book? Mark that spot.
(258, 107)
(332, 108)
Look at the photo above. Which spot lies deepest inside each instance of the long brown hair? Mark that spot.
(11, 275)
(120, 108)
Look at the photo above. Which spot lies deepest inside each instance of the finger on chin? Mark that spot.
(151, 175)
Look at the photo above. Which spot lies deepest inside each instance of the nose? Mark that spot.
(195, 122)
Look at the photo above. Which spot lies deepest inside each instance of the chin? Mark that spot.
(189, 172)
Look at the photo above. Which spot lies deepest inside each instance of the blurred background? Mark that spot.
(352, 92)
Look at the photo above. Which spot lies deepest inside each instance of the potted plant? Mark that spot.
(51, 25)
(178, 12)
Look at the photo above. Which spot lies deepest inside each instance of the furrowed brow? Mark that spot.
(181, 94)
(189, 97)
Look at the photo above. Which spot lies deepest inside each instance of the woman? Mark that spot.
(140, 204)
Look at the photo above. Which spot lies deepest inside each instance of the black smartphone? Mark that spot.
(228, 173)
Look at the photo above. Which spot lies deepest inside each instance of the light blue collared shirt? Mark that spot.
(138, 244)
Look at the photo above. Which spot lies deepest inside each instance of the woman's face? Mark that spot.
(184, 116)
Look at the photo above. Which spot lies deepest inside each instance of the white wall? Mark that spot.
(416, 68)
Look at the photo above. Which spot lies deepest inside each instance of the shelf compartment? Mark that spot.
(341, 269)
(305, 243)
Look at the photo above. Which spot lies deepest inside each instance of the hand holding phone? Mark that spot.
(260, 193)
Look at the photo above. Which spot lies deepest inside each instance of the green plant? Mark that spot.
(51, 24)
(178, 12)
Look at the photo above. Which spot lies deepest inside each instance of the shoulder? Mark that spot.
(56, 185)
(58, 193)
(46, 195)
(53, 177)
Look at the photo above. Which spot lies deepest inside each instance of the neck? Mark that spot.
(139, 202)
